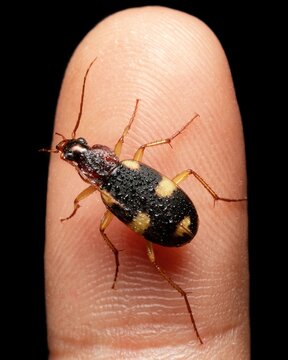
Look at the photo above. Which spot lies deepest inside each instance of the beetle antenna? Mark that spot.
(82, 98)
(63, 137)
(55, 151)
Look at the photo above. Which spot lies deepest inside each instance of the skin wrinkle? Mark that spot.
(86, 318)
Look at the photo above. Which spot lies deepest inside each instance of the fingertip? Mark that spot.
(174, 63)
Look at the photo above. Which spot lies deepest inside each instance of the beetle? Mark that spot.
(148, 202)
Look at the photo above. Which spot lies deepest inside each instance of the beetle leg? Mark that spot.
(120, 142)
(184, 174)
(84, 194)
(151, 256)
(104, 223)
(140, 152)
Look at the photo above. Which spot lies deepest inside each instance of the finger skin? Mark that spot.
(176, 66)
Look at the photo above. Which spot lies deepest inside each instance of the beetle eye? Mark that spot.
(82, 141)
(69, 155)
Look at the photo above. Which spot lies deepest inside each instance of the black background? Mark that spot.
(42, 43)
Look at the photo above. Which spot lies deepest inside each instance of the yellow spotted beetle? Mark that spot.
(146, 201)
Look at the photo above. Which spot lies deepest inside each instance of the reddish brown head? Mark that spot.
(92, 163)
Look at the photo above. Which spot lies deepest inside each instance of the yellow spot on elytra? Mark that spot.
(165, 188)
(140, 223)
(183, 227)
(131, 164)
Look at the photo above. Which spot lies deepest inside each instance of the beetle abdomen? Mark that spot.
(150, 204)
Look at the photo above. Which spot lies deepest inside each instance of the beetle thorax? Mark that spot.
(93, 164)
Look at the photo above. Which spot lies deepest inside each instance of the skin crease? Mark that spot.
(176, 66)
